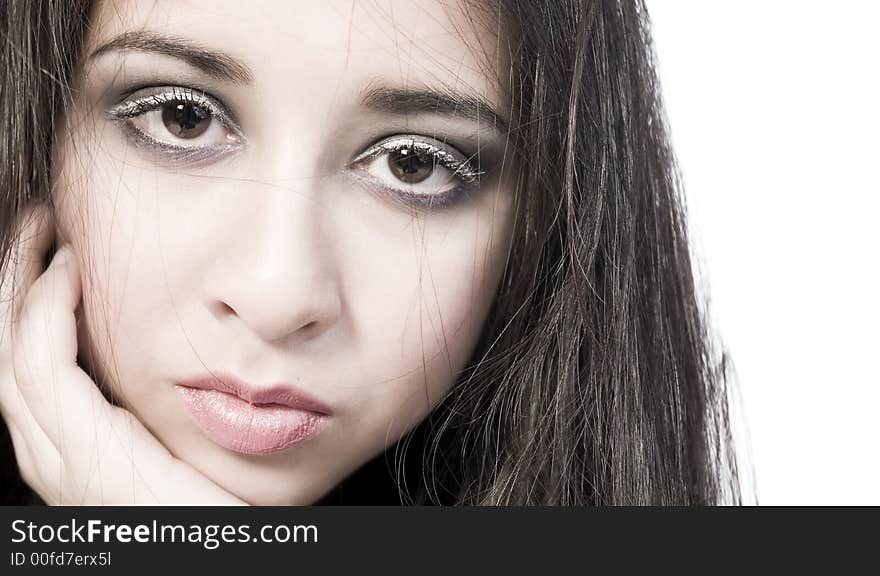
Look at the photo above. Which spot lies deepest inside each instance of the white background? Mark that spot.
(774, 109)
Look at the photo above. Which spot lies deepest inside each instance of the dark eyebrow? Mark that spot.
(215, 64)
(432, 101)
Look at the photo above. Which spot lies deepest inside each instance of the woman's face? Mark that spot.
(303, 199)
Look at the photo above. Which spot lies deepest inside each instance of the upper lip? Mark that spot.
(279, 393)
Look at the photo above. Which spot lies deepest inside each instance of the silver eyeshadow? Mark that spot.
(150, 99)
(449, 158)
(461, 168)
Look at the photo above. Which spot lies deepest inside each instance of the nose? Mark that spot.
(274, 273)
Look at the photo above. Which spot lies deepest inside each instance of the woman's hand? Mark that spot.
(71, 444)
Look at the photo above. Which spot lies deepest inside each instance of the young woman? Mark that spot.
(296, 253)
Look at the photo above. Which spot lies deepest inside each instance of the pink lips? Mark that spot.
(244, 418)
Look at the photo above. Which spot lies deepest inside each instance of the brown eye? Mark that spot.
(186, 120)
(410, 166)
(419, 169)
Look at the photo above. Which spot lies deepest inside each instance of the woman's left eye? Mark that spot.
(177, 119)
(422, 170)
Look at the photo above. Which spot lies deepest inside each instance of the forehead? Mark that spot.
(336, 44)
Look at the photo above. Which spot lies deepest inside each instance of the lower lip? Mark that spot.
(249, 428)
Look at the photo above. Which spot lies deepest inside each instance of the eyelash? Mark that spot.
(460, 165)
(132, 107)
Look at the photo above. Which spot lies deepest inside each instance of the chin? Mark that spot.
(286, 478)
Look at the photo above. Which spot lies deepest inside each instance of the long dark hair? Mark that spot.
(596, 380)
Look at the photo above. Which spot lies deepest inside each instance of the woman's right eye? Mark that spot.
(178, 119)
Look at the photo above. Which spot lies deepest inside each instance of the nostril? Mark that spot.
(276, 312)
(310, 328)
(223, 309)
(304, 333)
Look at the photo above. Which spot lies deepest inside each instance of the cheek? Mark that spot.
(420, 307)
(111, 221)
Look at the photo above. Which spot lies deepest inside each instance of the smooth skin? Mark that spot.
(71, 444)
(278, 262)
